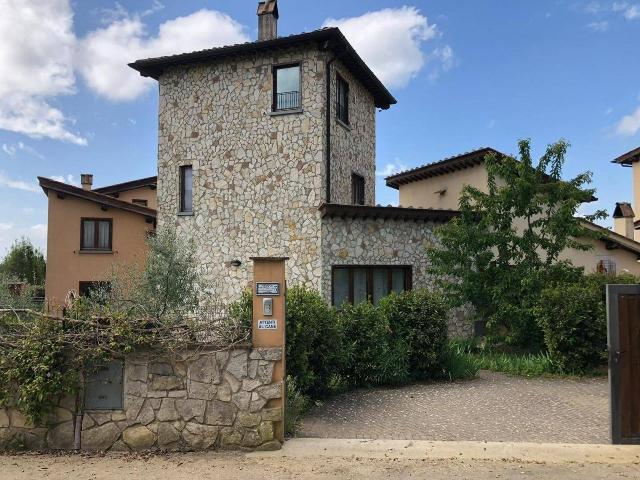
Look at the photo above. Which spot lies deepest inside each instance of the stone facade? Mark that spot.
(347, 241)
(258, 177)
(353, 147)
(206, 400)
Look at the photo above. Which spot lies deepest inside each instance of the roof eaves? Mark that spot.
(446, 165)
(92, 196)
(335, 210)
(130, 185)
(153, 67)
(626, 159)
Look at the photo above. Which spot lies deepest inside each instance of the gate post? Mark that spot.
(268, 327)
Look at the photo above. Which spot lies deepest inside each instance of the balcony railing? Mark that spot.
(287, 100)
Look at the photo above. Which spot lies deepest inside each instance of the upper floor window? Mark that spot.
(186, 189)
(286, 87)
(96, 234)
(357, 189)
(342, 101)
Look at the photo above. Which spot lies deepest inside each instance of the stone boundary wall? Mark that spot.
(206, 400)
(360, 241)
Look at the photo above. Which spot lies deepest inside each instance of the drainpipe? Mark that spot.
(328, 133)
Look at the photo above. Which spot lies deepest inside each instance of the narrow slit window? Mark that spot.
(286, 88)
(342, 100)
(186, 189)
(357, 189)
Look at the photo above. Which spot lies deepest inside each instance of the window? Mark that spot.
(606, 266)
(186, 189)
(139, 201)
(103, 387)
(357, 189)
(286, 88)
(87, 289)
(96, 234)
(342, 101)
(355, 283)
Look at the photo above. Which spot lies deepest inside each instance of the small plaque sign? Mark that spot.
(268, 289)
(267, 324)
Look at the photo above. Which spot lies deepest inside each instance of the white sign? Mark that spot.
(267, 324)
(268, 289)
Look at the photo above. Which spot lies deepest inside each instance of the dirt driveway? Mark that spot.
(236, 466)
(492, 407)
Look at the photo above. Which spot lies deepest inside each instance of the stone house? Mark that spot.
(439, 185)
(268, 149)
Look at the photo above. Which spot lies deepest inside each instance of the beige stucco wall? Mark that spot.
(143, 193)
(421, 194)
(626, 262)
(66, 266)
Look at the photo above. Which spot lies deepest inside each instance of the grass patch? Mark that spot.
(459, 364)
(513, 363)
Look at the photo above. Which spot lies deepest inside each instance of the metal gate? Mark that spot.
(623, 314)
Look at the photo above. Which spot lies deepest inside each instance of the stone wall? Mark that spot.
(347, 241)
(258, 177)
(353, 146)
(202, 401)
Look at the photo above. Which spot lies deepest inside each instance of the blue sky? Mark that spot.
(466, 74)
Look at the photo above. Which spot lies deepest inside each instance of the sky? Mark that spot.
(466, 74)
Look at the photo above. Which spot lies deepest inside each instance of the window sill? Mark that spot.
(342, 124)
(185, 214)
(278, 113)
(93, 252)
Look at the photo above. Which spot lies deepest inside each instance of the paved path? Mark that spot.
(492, 407)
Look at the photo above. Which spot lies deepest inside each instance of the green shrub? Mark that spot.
(573, 319)
(315, 355)
(458, 363)
(522, 364)
(297, 405)
(241, 311)
(418, 323)
(373, 356)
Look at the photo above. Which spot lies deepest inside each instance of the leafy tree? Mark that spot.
(504, 246)
(24, 262)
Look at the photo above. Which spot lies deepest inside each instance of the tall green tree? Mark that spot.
(24, 262)
(504, 247)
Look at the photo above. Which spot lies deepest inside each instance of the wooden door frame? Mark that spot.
(613, 343)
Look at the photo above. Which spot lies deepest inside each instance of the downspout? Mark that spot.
(328, 132)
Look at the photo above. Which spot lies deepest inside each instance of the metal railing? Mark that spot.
(287, 100)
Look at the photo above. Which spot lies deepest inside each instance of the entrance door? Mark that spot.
(623, 312)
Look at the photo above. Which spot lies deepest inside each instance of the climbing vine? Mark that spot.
(160, 308)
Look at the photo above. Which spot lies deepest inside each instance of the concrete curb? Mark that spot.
(420, 449)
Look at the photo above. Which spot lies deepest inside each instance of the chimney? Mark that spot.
(86, 179)
(268, 20)
(623, 220)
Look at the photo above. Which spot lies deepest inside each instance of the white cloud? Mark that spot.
(389, 41)
(39, 230)
(602, 26)
(608, 111)
(104, 53)
(631, 11)
(11, 150)
(630, 124)
(391, 169)
(5, 227)
(36, 54)
(68, 179)
(17, 184)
